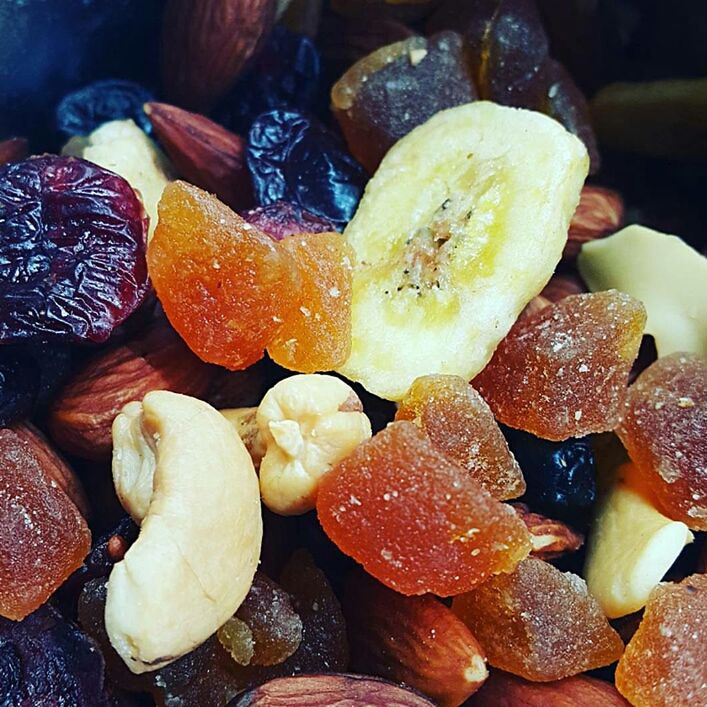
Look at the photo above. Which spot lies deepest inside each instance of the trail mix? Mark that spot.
(327, 377)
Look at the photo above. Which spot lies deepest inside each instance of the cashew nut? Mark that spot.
(631, 546)
(183, 473)
(308, 423)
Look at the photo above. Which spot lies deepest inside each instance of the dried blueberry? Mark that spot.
(19, 385)
(82, 111)
(72, 251)
(292, 157)
(560, 475)
(45, 660)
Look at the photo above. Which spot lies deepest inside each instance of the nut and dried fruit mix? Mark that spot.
(347, 355)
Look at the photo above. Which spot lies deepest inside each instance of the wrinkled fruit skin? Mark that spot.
(281, 219)
(45, 660)
(293, 157)
(72, 251)
(82, 111)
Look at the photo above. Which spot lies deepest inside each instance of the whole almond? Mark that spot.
(561, 286)
(327, 690)
(505, 690)
(81, 418)
(207, 44)
(204, 153)
(600, 212)
(415, 640)
(13, 149)
(549, 538)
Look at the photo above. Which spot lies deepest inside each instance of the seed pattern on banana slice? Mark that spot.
(461, 225)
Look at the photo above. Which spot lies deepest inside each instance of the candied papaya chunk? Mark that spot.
(563, 371)
(316, 336)
(224, 285)
(416, 520)
(44, 536)
(665, 663)
(383, 96)
(461, 425)
(664, 430)
(539, 623)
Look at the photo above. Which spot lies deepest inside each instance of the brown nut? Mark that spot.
(13, 149)
(600, 212)
(245, 423)
(561, 286)
(550, 538)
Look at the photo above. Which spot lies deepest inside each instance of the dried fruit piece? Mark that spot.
(460, 424)
(72, 250)
(539, 623)
(281, 219)
(415, 520)
(563, 371)
(18, 384)
(664, 430)
(550, 538)
(445, 258)
(417, 641)
(294, 158)
(224, 286)
(385, 95)
(237, 638)
(665, 663)
(45, 537)
(316, 336)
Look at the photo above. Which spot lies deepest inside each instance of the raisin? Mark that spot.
(293, 157)
(72, 251)
(281, 219)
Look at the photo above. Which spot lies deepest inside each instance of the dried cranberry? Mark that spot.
(72, 251)
(293, 157)
(281, 219)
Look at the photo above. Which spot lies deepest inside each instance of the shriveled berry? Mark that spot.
(281, 219)
(72, 251)
(82, 111)
(293, 157)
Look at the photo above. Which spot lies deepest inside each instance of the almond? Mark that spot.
(13, 149)
(505, 690)
(207, 44)
(204, 153)
(328, 689)
(82, 415)
(415, 640)
(549, 538)
(535, 305)
(561, 286)
(600, 212)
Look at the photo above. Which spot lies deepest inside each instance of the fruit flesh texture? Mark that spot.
(223, 285)
(665, 663)
(316, 336)
(563, 371)
(398, 87)
(460, 424)
(415, 520)
(539, 623)
(664, 430)
(45, 537)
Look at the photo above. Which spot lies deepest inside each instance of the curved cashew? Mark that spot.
(308, 423)
(182, 472)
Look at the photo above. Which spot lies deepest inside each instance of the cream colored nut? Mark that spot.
(631, 546)
(308, 424)
(245, 423)
(183, 473)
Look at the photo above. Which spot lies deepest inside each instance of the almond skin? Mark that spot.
(550, 538)
(204, 153)
(600, 212)
(13, 149)
(207, 44)
(561, 286)
(413, 640)
(82, 415)
(327, 690)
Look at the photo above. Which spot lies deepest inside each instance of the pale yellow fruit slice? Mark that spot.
(461, 225)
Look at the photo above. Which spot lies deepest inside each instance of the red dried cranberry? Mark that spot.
(72, 251)
(281, 219)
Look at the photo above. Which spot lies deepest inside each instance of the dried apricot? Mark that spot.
(460, 424)
(664, 431)
(414, 519)
(562, 372)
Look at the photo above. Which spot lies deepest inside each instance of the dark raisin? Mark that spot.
(82, 111)
(19, 384)
(72, 251)
(293, 157)
(281, 219)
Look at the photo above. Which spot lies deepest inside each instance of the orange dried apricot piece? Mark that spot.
(316, 336)
(461, 425)
(665, 663)
(562, 372)
(664, 430)
(224, 285)
(44, 536)
(539, 623)
(414, 519)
